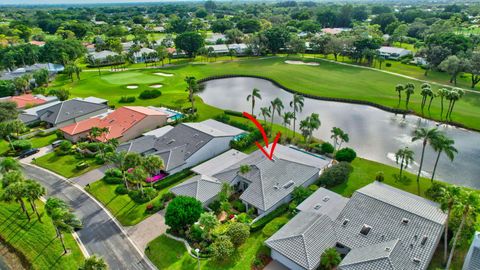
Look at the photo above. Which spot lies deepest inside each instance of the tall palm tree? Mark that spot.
(277, 106)
(265, 112)
(443, 144)
(12, 177)
(152, 164)
(297, 104)
(8, 164)
(427, 136)
(399, 89)
(16, 192)
(469, 205)
(426, 91)
(454, 96)
(118, 159)
(34, 191)
(287, 116)
(448, 200)
(343, 138)
(192, 88)
(403, 157)
(305, 128)
(94, 263)
(409, 90)
(314, 123)
(97, 132)
(255, 94)
(442, 93)
(335, 135)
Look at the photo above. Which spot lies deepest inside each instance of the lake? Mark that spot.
(374, 134)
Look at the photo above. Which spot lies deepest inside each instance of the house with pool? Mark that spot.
(263, 184)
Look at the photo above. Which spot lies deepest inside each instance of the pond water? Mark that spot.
(375, 134)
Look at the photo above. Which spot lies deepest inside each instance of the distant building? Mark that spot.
(29, 100)
(239, 48)
(334, 31)
(218, 48)
(472, 260)
(393, 52)
(214, 37)
(143, 55)
(102, 56)
(50, 67)
(37, 43)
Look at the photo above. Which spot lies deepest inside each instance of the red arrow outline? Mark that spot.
(265, 138)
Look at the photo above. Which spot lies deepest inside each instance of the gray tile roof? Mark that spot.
(220, 162)
(472, 259)
(203, 188)
(324, 202)
(216, 128)
(392, 215)
(67, 110)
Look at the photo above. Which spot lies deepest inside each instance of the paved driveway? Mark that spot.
(42, 151)
(90, 177)
(148, 229)
(100, 234)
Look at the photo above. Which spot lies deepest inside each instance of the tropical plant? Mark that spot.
(330, 259)
(182, 211)
(338, 136)
(308, 125)
(448, 198)
(443, 144)
(226, 189)
(255, 94)
(208, 221)
(9, 164)
(399, 88)
(426, 136)
(277, 106)
(16, 192)
(244, 168)
(409, 90)
(63, 219)
(222, 248)
(453, 96)
(97, 132)
(238, 233)
(118, 159)
(94, 263)
(192, 88)
(403, 157)
(287, 116)
(265, 111)
(425, 92)
(442, 93)
(297, 104)
(12, 177)
(152, 164)
(33, 192)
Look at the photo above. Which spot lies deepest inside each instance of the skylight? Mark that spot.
(365, 229)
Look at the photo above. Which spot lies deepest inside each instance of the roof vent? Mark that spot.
(326, 198)
(275, 186)
(288, 184)
(365, 229)
(416, 260)
(387, 249)
(405, 221)
(345, 222)
(317, 206)
(171, 141)
(424, 240)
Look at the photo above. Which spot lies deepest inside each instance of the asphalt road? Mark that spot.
(100, 234)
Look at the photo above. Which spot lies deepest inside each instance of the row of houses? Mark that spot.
(52, 69)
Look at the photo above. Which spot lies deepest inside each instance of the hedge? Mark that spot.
(149, 94)
(172, 179)
(126, 99)
(233, 113)
(259, 224)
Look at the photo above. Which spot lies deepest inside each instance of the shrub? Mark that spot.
(388, 64)
(182, 212)
(167, 197)
(195, 233)
(215, 206)
(112, 180)
(326, 148)
(238, 233)
(65, 146)
(380, 176)
(99, 159)
(125, 99)
(259, 224)
(121, 190)
(139, 197)
(172, 179)
(244, 218)
(345, 154)
(21, 145)
(155, 206)
(222, 248)
(222, 118)
(233, 113)
(330, 258)
(114, 172)
(247, 140)
(239, 206)
(336, 175)
(435, 191)
(274, 225)
(149, 94)
(300, 193)
(313, 188)
(81, 165)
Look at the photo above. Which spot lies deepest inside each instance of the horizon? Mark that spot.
(84, 2)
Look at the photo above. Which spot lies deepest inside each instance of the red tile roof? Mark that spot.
(117, 122)
(26, 99)
(37, 43)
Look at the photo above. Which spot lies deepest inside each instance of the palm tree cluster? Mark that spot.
(339, 137)
(439, 142)
(451, 95)
(16, 188)
(192, 89)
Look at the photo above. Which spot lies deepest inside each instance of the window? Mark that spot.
(365, 229)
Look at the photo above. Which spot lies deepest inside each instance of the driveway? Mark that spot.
(90, 177)
(148, 229)
(41, 152)
(100, 234)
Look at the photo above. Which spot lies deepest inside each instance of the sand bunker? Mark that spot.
(163, 74)
(301, 63)
(132, 86)
(156, 85)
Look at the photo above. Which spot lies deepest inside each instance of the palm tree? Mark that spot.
(432, 95)
(330, 259)
(469, 204)
(399, 89)
(297, 104)
(8, 164)
(255, 94)
(343, 138)
(426, 92)
(448, 199)
(335, 135)
(277, 105)
(16, 192)
(12, 177)
(305, 127)
(97, 132)
(34, 191)
(443, 144)
(314, 123)
(454, 96)
(152, 164)
(287, 116)
(442, 93)
(192, 88)
(427, 136)
(94, 263)
(265, 111)
(409, 90)
(405, 157)
(119, 161)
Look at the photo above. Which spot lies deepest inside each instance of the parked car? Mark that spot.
(28, 152)
(56, 143)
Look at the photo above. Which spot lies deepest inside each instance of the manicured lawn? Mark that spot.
(133, 77)
(38, 141)
(327, 79)
(37, 241)
(65, 165)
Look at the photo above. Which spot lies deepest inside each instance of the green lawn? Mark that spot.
(122, 207)
(37, 241)
(132, 77)
(38, 141)
(64, 165)
(327, 79)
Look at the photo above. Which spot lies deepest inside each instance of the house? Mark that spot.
(218, 49)
(101, 56)
(125, 123)
(51, 68)
(29, 100)
(62, 113)
(379, 227)
(143, 55)
(127, 45)
(239, 48)
(393, 52)
(186, 144)
(472, 260)
(214, 37)
(266, 184)
(37, 43)
(334, 31)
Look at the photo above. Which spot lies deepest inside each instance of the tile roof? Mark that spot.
(201, 187)
(472, 260)
(27, 100)
(215, 128)
(220, 162)
(324, 202)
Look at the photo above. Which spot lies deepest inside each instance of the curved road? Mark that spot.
(100, 234)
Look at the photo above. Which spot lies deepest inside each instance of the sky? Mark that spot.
(47, 2)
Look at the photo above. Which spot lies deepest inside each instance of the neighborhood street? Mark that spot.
(100, 234)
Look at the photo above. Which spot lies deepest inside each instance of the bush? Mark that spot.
(167, 197)
(149, 94)
(99, 159)
(247, 140)
(21, 145)
(121, 190)
(65, 146)
(300, 193)
(81, 165)
(388, 64)
(274, 226)
(435, 191)
(114, 172)
(239, 206)
(345, 154)
(182, 212)
(336, 175)
(313, 188)
(215, 206)
(148, 194)
(380, 176)
(112, 180)
(238, 233)
(222, 248)
(259, 224)
(156, 206)
(195, 233)
(244, 218)
(326, 148)
(172, 179)
(125, 99)
(233, 113)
